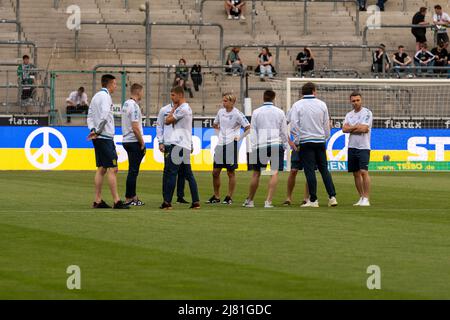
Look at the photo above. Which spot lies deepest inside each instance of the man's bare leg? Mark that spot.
(231, 182)
(216, 182)
(112, 181)
(99, 175)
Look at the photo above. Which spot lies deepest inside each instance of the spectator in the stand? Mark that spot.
(401, 61)
(77, 102)
(265, 64)
(26, 76)
(420, 33)
(305, 61)
(363, 5)
(440, 57)
(423, 59)
(235, 8)
(182, 77)
(441, 20)
(234, 62)
(381, 60)
(196, 76)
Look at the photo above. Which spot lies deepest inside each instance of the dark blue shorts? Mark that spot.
(272, 154)
(296, 163)
(358, 159)
(226, 156)
(105, 153)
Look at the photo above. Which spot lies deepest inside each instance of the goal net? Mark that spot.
(411, 120)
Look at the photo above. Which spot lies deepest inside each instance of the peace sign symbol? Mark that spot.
(46, 151)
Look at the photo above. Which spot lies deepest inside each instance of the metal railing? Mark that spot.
(23, 43)
(13, 82)
(200, 4)
(389, 26)
(148, 26)
(329, 47)
(18, 24)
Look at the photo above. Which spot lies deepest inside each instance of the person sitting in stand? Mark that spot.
(26, 77)
(441, 57)
(234, 62)
(77, 102)
(380, 60)
(182, 77)
(305, 61)
(235, 8)
(401, 61)
(423, 59)
(265, 64)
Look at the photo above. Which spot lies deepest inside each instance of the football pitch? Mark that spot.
(224, 252)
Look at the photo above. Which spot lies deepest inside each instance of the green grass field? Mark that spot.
(224, 252)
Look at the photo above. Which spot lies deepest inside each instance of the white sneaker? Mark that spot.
(332, 202)
(242, 17)
(268, 204)
(358, 203)
(230, 17)
(364, 203)
(310, 204)
(248, 204)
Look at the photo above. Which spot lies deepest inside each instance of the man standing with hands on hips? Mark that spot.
(358, 123)
(100, 121)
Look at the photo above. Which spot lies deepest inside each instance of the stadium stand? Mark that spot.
(276, 22)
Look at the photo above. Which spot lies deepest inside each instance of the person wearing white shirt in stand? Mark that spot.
(133, 141)
(269, 140)
(100, 121)
(310, 115)
(358, 123)
(228, 122)
(163, 133)
(441, 20)
(77, 102)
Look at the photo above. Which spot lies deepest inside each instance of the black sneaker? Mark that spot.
(166, 206)
(287, 203)
(121, 205)
(136, 203)
(181, 201)
(227, 200)
(101, 205)
(195, 205)
(213, 199)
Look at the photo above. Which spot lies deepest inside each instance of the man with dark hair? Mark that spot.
(26, 77)
(310, 116)
(100, 122)
(424, 59)
(441, 20)
(178, 153)
(269, 140)
(164, 133)
(358, 123)
(133, 141)
(77, 102)
(381, 60)
(420, 33)
(441, 57)
(401, 61)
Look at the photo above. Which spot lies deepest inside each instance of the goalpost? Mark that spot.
(411, 120)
